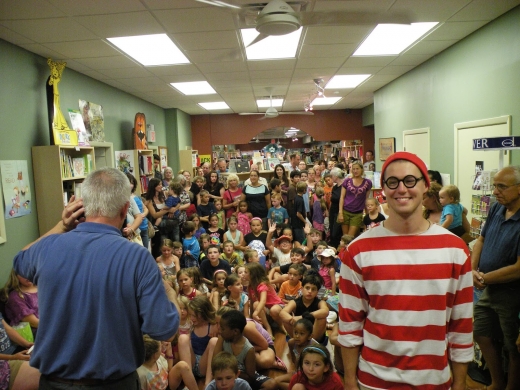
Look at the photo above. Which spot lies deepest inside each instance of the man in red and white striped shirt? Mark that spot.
(406, 294)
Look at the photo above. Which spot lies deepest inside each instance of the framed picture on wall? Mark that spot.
(163, 154)
(386, 148)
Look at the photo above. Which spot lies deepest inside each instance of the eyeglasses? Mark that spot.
(502, 187)
(408, 181)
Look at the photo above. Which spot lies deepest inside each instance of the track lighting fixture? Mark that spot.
(320, 89)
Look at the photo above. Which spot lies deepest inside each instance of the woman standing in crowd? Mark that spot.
(261, 180)
(214, 187)
(337, 176)
(187, 176)
(257, 197)
(279, 173)
(354, 192)
(167, 178)
(432, 205)
(231, 197)
(143, 227)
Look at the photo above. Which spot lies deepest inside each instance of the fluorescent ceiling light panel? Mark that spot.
(272, 47)
(151, 50)
(214, 106)
(325, 101)
(194, 88)
(392, 39)
(262, 103)
(346, 81)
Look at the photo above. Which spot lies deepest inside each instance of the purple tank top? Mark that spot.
(262, 331)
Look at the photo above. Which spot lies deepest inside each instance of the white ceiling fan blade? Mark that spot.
(251, 113)
(259, 38)
(340, 18)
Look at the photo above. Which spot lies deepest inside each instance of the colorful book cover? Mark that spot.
(78, 164)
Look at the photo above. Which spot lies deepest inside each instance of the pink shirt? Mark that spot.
(272, 298)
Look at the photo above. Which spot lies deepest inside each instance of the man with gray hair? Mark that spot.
(495, 261)
(98, 292)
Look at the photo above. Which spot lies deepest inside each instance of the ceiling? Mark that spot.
(75, 31)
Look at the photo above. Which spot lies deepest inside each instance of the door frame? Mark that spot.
(499, 120)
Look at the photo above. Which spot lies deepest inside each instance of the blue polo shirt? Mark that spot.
(97, 294)
(501, 240)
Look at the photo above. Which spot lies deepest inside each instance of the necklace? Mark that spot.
(411, 234)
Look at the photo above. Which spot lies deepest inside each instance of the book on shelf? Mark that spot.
(78, 164)
(272, 162)
(144, 184)
(77, 190)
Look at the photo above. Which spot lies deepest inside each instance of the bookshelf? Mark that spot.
(104, 154)
(59, 171)
(137, 162)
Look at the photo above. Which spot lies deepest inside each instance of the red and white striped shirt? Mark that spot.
(409, 301)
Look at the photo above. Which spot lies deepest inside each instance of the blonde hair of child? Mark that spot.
(276, 195)
(248, 254)
(184, 271)
(232, 219)
(224, 361)
(319, 193)
(168, 243)
(183, 301)
(376, 203)
(203, 193)
(203, 308)
(12, 284)
(452, 191)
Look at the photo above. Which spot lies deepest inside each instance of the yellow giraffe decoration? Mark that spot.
(63, 135)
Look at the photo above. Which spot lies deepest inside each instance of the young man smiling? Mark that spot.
(406, 294)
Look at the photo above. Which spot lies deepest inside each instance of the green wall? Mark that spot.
(477, 78)
(24, 115)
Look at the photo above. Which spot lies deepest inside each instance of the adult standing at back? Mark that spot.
(337, 176)
(369, 159)
(496, 269)
(96, 289)
(214, 187)
(406, 294)
(257, 197)
(231, 197)
(354, 192)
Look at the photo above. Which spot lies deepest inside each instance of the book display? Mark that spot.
(480, 206)
(139, 163)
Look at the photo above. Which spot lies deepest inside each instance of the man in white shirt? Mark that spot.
(369, 159)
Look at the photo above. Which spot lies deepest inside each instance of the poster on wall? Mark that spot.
(125, 161)
(15, 186)
(92, 114)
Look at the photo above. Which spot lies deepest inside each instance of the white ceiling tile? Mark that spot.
(124, 73)
(42, 51)
(361, 70)
(72, 64)
(177, 4)
(454, 30)
(13, 37)
(484, 10)
(383, 77)
(313, 63)
(28, 9)
(207, 41)
(318, 51)
(371, 86)
(356, 62)
(301, 75)
(173, 70)
(409, 59)
(223, 76)
(83, 49)
(183, 78)
(218, 67)
(101, 63)
(429, 11)
(218, 55)
(121, 25)
(235, 90)
(271, 65)
(262, 74)
(90, 73)
(50, 30)
(430, 47)
(96, 7)
(353, 6)
(195, 20)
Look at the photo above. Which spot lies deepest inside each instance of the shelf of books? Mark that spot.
(59, 171)
(138, 163)
(480, 205)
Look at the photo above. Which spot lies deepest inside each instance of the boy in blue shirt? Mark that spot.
(277, 214)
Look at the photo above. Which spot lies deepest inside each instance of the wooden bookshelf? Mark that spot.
(55, 180)
(139, 163)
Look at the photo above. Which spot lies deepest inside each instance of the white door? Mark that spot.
(418, 142)
(465, 156)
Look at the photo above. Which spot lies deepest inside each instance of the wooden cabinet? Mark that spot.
(188, 159)
(59, 171)
(104, 154)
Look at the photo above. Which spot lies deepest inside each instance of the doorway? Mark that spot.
(418, 142)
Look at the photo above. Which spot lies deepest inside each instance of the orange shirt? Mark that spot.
(289, 292)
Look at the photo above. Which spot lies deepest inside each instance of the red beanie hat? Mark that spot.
(413, 158)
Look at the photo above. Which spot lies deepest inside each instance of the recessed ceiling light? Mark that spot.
(272, 47)
(346, 81)
(325, 101)
(392, 39)
(214, 106)
(150, 50)
(194, 88)
(262, 103)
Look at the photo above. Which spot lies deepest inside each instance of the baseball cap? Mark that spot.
(328, 253)
(281, 238)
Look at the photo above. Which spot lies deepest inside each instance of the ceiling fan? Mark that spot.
(272, 112)
(279, 18)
